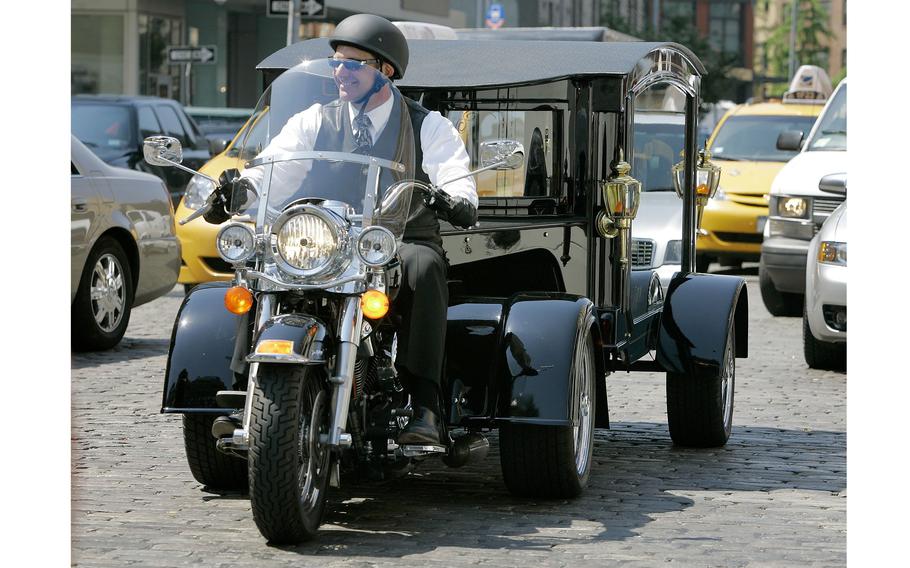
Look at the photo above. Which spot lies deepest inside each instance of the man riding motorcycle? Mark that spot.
(364, 111)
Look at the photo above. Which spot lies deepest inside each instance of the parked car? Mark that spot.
(798, 208)
(113, 127)
(124, 249)
(656, 244)
(744, 145)
(201, 261)
(825, 313)
(219, 124)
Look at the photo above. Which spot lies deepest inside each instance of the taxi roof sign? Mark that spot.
(810, 84)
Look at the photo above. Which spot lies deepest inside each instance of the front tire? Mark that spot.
(555, 461)
(700, 406)
(214, 469)
(101, 310)
(821, 354)
(779, 304)
(288, 464)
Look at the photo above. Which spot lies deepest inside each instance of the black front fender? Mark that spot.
(698, 311)
(201, 350)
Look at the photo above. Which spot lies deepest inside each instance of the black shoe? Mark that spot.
(225, 425)
(422, 429)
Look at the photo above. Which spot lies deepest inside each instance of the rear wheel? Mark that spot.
(555, 461)
(822, 354)
(214, 469)
(780, 304)
(101, 309)
(289, 462)
(700, 406)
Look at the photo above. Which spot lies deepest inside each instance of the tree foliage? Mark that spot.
(811, 27)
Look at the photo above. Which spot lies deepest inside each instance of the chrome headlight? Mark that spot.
(307, 240)
(197, 191)
(376, 246)
(793, 207)
(832, 252)
(236, 243)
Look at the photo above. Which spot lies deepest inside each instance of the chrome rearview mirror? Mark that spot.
(501, 154)
(162, 151)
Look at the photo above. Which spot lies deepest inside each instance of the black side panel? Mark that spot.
(199, 358)
(697, 312)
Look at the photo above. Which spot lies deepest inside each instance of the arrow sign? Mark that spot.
(309, 9)
(192, 54)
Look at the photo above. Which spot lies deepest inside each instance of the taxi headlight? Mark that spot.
(197, 191)
(793, 207)
(376, 246)
(236, 243)
(307, 242)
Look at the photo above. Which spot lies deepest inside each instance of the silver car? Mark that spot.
(825, 315)
(123, 244)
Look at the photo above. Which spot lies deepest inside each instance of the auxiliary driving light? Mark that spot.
(238, 300)
(374, 303)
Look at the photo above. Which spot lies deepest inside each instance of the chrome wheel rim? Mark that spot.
(726, 382)
(312, 455)
(584, 371)
(107, 293)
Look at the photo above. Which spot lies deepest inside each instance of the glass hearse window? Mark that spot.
(534, 129)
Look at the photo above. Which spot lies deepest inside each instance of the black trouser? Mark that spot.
(422, 302)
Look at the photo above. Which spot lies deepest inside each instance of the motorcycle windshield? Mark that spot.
(336, 131)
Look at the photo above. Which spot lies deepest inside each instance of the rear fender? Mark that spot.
(535, 356)
(201, 351)
(697, 313)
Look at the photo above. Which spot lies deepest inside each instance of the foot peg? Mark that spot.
(417, 451)
(471, 447)
(224, 426)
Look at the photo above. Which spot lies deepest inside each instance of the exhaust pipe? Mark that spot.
(473, 446)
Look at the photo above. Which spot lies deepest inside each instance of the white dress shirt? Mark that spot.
(444, 154)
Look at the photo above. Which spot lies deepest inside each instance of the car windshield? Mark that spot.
(314, 148)
(100, 126)
(831, 133)
(755, 137)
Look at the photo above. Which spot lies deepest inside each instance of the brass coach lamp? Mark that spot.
(622, 194)
(707, 178)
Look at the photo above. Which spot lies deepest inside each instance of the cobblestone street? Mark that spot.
(774, 496)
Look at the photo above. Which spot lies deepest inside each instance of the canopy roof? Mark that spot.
(460, 63)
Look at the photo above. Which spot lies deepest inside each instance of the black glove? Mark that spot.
(456, 210)
(220, 199)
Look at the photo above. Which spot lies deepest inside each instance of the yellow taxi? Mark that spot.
(201, 262)
(744, 145)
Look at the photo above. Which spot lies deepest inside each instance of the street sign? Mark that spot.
(192, 54)
(309, 9)
(496, 16)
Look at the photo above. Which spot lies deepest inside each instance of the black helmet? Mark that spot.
(376, 35)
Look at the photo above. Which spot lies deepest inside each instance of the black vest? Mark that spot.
(335, 134)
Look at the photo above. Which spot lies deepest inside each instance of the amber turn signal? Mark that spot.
(374, 303)
(238, 300)
(275, 347)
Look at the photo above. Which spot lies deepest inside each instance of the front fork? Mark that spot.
(349, 330)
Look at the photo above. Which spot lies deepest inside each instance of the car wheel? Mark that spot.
(555, 461)
(780, 304)
(101, 310)
(822, 354)
(700, 405)
(702, 262)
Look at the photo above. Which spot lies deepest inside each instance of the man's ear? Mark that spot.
(387, 69)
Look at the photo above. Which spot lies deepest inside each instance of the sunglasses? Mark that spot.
(350, 64)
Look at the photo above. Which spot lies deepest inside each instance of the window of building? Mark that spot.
(534, 129)
(678, 10)
(724, 28)
(97, 54)
(156, 76)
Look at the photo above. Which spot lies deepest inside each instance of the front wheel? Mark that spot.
(700, 406)
(288, 459)
(555, 461)
(821, 354)
(778, 304)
